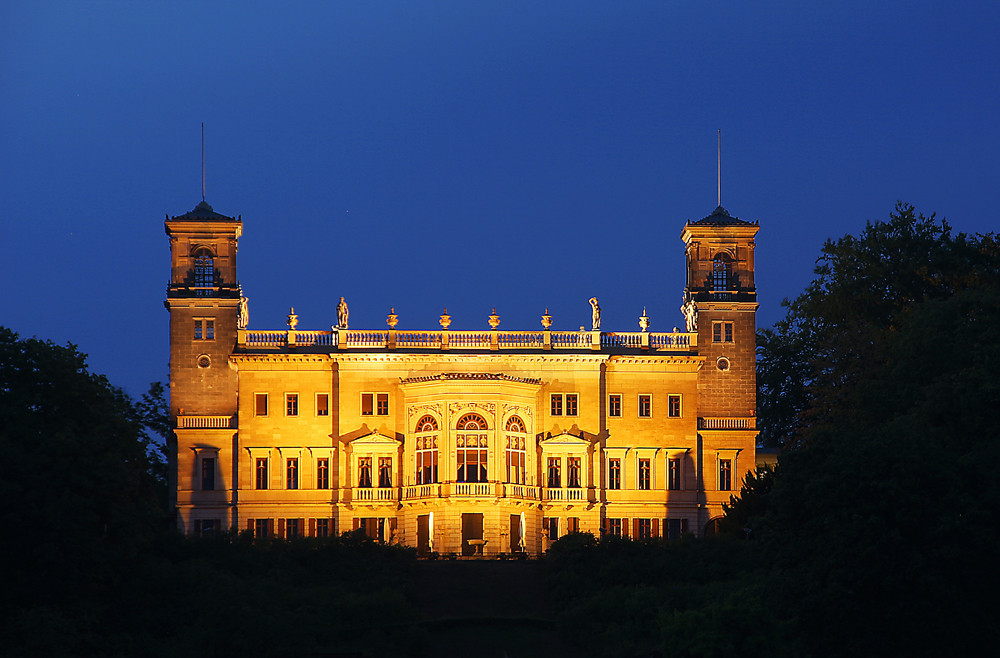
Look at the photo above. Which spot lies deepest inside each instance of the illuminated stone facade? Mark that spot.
(459, 442)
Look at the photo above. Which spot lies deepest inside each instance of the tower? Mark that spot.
(204, 301)
(720, 303)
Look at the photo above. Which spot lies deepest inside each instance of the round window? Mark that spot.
(204, 361)
(722, 363)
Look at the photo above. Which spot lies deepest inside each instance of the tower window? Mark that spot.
(722, 332)
(204, 329)
(725, 474)
(722, 273)
(204, 272)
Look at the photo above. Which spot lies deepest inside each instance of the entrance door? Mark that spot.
(515, 533)
(423, 535)
(472, 529)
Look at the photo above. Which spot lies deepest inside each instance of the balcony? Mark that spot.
(418, 491)
(375, 494)
(744, 423)
(523, 491)
(206, 422)
(473, 489)
(570, 494)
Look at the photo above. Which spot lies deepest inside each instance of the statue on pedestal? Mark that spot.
(342, 314)
(595, 314)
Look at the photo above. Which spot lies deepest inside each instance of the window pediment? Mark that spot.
(375, 442)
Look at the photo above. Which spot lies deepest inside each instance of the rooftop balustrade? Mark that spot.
(379, 339)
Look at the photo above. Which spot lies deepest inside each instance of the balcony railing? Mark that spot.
(524, 491)
(373, 494)
(362, 339)
(416, 491)
(473, 489)
(206, 422)
(746, 423)
(564, 493)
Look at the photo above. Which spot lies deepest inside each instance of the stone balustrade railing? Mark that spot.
(361, 339)
(375, 494)
(206, 422)
(745, 423)
(563, 493)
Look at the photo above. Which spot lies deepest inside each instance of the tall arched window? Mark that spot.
(471, 447)
(427, 450)
(515, 452)
(204, 272)
(722, 272)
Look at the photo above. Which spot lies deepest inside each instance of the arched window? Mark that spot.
(204, 272)
(722, 272)
(515, 450)
(471, 447)
(427, 450)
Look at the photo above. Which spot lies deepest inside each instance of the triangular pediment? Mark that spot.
(564, 439)
(374, 439)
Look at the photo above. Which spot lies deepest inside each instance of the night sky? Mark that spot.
(422, 155)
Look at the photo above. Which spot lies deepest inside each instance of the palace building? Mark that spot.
(468, 442)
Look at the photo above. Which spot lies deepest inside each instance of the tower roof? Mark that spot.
(721, 217)
(204, 213)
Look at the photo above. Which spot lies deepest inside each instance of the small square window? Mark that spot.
(204, 329)
(555, 406)
(322, 527)
(571, 404)
(674, 406)
(615, 527)
(291, 404)
(322, 404)
(260, 404)
(722, 332)
(645, 406)
(382, 404)
(615, 405)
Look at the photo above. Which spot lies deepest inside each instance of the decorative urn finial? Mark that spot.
(546, 320)
(392, 319)
(293, 320)
(644, 320)
(494, 319)
(445, 320)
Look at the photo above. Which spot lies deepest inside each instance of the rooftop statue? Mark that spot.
(595, 314)
(342, 314)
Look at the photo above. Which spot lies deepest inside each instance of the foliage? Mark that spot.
(839, 328)
(742, 512)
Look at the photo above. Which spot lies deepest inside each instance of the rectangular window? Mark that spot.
(207, 526)
(260, 404)
(261, 472)
(674, 406)
(292, 528)
(555, 406)
(208, 473)
(365, 472)
(322, 404)
(261, 528)
(643, 528)
(374, 404)
(552, 527)
(574, 473)
(615, 405)
(571, 404)
(674, 474)
(644, 474)
(615, 527)
(292, 473)
(645, 406)
(291, 404)
(322, 527)
(384, 472)
(614, 474)
(725, 474)
(204, 329)
(323, 473)
(722, 332)
(676, 528)
(573, 524)
(554, 481)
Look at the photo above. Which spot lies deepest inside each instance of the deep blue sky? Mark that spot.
(419, 155)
